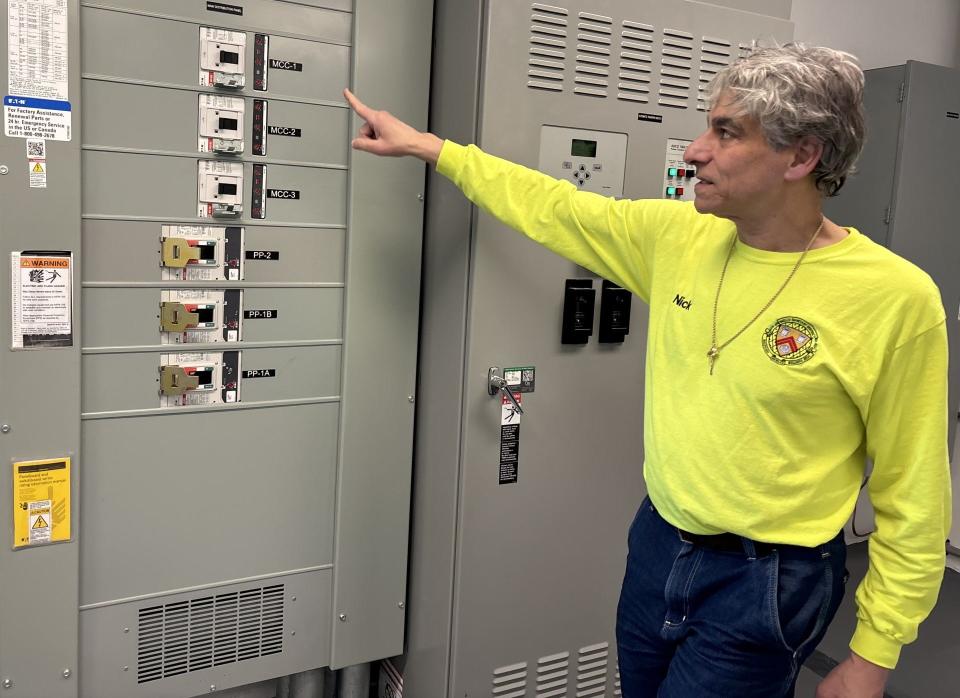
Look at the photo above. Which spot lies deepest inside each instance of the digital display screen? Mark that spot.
(583, 149)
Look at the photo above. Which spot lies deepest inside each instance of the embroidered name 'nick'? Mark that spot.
(683, 302)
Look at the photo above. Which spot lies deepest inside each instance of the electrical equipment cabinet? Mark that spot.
(899, 198)
(238, 508)
(519, 531)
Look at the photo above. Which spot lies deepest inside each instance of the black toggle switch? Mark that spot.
(578, 302)
(614, 313)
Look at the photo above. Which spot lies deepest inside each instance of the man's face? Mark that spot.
(740, 174)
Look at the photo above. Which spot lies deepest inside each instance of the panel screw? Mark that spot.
(419, 196)
(409, 398)
(7, 683)
(293, 632)
(213, 687)
(126, 630)
(66, 673)
(5, 428)
(3, 170)
(126, 668)
(343, 617)
(293, 598)
(401, 605)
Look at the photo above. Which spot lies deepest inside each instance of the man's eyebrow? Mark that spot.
(724, 122)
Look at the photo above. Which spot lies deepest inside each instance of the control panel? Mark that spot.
(679, 178)
(592, 160)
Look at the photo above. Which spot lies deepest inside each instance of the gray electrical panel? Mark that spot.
(900, 194)
(519, 532)
(209, 341)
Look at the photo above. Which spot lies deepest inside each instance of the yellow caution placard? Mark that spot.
(41, 502)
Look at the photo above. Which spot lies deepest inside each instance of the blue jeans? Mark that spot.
(694, 622)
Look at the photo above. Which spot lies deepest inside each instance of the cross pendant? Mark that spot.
(712, 355)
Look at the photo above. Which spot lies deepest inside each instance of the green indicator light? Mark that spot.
(671, 191)
(672, 171)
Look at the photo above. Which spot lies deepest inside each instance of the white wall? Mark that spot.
(883, 32)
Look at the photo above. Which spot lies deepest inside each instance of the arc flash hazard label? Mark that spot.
(41, 511)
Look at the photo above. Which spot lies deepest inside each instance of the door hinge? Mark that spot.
(887, 217)
(903, 87)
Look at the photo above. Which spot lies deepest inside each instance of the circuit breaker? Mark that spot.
(210, 395)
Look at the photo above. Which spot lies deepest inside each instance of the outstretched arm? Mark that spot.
(384, 134)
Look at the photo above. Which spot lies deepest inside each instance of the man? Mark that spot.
(807, 349)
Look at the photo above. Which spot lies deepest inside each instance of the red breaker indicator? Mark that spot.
(259, 127)
(259, 189)
(261, 46)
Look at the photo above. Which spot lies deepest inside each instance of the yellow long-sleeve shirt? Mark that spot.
(849, 362)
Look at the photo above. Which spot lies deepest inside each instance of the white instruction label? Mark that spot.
(36, 103)
(38, 49)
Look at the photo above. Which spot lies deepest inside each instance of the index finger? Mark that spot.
(362, 109)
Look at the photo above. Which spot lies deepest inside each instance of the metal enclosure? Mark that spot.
(239, 507)
(899, 199)
(513, 587)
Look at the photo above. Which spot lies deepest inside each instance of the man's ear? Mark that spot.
(806, 156)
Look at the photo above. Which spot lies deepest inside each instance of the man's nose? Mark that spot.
(695, 154)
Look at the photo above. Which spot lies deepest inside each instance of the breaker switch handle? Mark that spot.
(496, 383)
(176, 381)
(174, 317)
(178, 252)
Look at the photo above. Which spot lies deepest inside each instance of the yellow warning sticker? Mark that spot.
(41, 502)
(38, 168)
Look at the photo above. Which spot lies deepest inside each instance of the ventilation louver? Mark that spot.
(676, 65)
(553, 675)
(195, 634)
(636, 58)
(548, 47)
(510, 681)
(714, 55)
(594, 39)
(592, 667)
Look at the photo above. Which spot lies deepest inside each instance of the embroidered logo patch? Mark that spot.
(790, 341)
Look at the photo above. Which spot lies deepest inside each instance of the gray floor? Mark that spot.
(928, 668)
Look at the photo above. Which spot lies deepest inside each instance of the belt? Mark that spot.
(726, 542)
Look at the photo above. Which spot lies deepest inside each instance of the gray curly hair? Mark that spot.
(796, 90)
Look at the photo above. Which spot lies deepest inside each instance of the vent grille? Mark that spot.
(202, 633)
(714, 55)
(676, 65)
(553, 675)
(510, 681)
(636, 51)
(592, 664)
(548, 47)
(594, 38)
